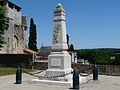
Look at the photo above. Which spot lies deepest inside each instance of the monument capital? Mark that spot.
(59, 8)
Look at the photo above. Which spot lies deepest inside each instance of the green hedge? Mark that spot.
(13, 60)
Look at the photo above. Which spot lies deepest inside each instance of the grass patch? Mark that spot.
(9, 71)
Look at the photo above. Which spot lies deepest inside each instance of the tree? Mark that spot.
(94, 56)
(67, 40)
(33, 36)
(116, 61)
(71, 47)
(2, 25)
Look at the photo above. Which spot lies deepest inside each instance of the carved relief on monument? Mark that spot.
(56, 33)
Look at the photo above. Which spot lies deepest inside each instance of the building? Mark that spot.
(43, 52)
(15, 35)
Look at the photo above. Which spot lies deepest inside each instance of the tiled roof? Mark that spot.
(29, 51)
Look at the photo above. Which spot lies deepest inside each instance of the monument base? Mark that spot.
(60, 75)
(58, 83)
(59, 63)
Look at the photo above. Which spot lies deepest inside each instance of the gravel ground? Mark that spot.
(104, 83)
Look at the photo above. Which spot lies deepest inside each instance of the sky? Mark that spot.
(89, 23)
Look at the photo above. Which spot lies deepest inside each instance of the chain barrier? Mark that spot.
(85, 75)
(38, 72)
(33, 74)
(29, 73)
(45, 77)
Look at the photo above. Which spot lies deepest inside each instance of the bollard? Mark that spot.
(75, 79)
(18, 76)
(95, 72)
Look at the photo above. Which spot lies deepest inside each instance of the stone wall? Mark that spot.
(15, 33)
(40, 65)
(112, 70)
(109, 69)
(82, 67)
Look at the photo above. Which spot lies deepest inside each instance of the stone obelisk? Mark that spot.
(59, 60)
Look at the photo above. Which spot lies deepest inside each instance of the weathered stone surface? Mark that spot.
(59, 61)
(15, 35)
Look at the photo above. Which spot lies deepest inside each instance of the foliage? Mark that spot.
(10, 70)
(13, 60)
(32, 38)
(100, 56)
(116, 61)
(71, 48)
(67, 39)
(7, 71)
(2, 25)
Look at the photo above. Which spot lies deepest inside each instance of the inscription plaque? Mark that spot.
(55, 62)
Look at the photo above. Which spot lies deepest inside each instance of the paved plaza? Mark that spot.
(104, 83)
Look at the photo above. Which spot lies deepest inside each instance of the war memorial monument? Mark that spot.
(59, 61)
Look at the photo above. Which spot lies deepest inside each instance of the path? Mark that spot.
(104, 83)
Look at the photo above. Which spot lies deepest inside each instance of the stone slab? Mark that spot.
(55, 62)
(58, 83)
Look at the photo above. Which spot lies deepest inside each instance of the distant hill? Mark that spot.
(104, 50)
(100, 55)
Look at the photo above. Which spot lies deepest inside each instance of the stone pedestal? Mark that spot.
(59, 63)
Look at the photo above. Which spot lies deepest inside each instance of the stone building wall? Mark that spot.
(15, 34)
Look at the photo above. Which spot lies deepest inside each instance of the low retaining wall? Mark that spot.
(13, 60)
(109, 69)
(82, 68)
(40, 65)
(103, 69)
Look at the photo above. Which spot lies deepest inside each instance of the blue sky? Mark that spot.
(90, 23)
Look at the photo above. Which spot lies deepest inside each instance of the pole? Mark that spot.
(75, 79)
(18, 76)
(95, 72)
